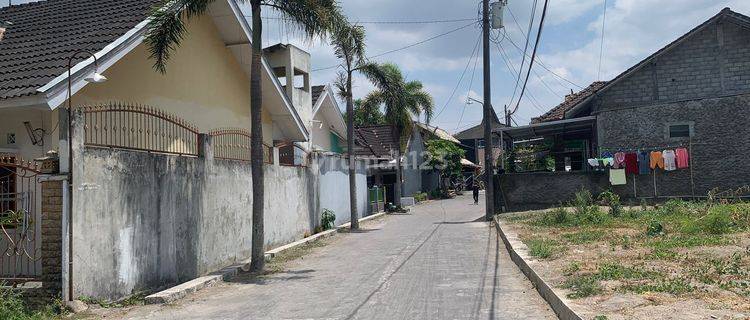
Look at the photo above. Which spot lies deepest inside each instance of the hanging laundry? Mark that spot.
(683, 158)
(617, 177)
(643, 163)
(593, 162)
(619, 160)
(631, 163)
(657, 161)
(670, 158)
(607, 154)
(608, 162)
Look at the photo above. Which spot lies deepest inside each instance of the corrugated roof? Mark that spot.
(436, 131)
(571, 100)
(43, 35)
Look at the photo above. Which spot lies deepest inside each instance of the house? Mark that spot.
(694, 94)
(157, 164)
(472, 141)
(417, 177)
(328, 132)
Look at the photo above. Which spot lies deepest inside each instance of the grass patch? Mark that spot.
(585, 236)
(12, 307)
(542, 248)
(676, 286)
(687, 241)
(615, 271)
(583, 286)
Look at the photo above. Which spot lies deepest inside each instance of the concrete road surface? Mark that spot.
(440, 261)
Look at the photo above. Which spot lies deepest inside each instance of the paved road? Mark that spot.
(438, 262)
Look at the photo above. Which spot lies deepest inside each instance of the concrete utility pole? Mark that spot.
(488, 145)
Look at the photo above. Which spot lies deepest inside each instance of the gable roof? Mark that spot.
(316, 92)
(477, 132)
(374, 141)
(330, 111)
(43, 35)
(725, 13)
(437, 132)
(571, 100)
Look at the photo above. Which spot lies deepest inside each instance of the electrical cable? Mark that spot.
(468, 91)
(513, 72)
(533, 55)
(538, 60)
(406, 47)
(541, 79)
(601, 45)
(393, 21)
(461, 78)
(525, 48)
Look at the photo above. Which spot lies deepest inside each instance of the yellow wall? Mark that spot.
(204, 83)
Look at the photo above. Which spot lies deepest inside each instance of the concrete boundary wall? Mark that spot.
(145, 221)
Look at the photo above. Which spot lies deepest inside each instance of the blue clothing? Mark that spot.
(643, 163)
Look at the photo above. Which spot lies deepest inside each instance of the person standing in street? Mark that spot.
(475, 191)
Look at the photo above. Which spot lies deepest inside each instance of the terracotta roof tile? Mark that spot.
(571, 100)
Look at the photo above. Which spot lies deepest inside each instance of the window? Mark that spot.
(680, 130)
(7, 191)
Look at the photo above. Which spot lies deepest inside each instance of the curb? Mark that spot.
(563, 311)
(182, 290)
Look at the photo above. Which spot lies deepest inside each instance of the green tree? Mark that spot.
(445, 156)
(404, 101)
(367, 115)
(167, 29)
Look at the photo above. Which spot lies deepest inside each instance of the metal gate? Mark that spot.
(20, 232)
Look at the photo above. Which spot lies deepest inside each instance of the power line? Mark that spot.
(513, 72)
(408, 46)
(525, 48)
(392, 21)
(601, 45)
(468, 91)
(533, 54)
(538, 76)
(461, 78)
(538, 60)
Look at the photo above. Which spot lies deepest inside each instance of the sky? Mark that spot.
(568, 54)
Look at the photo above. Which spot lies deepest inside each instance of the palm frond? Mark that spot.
(314, 18)
(166, 28)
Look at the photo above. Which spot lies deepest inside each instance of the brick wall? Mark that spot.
(52, 206)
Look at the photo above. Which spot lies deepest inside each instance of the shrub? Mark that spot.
(13, 308)
(542, 248)
(718, 221)
(558, 216)
(586, 212)
(419, 197)
(654, 229)
(611, 200)
(328, 219)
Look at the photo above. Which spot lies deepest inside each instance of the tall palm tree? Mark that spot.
(403, 101)
(312, 18)
(349, 46)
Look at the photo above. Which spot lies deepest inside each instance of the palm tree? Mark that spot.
(404, 101)
(167, 29)
(349, 46)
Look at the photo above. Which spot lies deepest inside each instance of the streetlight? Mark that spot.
(96, 77)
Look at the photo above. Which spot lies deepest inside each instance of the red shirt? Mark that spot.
(631, 163)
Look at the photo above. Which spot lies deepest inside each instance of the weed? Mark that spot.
(12, 307)
(574, 267)
(676, 286)
(328, 219)
(687, 241)
(542, 248)
(601, 317)
(419, 197)
(585, 236)
(614, 271)
(718, 220)
(654, 229)
(583, 286)
(662, 254)
(611, 200)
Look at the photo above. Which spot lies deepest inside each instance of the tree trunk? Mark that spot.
(397, 189)
(350, 150)
(256, 142)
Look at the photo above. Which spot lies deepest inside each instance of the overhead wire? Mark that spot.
(533, 55)
(601, 45)
(525, 48)
(512, 69)
(468, 90)
(538, 60)
(461, 78)
(408, 46)
(392, 21)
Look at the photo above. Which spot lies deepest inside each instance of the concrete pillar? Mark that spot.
(51, 236)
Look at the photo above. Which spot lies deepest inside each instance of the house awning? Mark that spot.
(536, 130)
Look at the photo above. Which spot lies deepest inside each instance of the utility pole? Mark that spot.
(488, 145)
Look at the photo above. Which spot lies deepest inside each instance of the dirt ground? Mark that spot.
(614, 270)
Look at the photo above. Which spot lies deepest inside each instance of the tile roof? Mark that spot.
(374, 141)
(317, 91)
(36, 46)
(571, 100)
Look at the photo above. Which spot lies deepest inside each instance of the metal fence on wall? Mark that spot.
(137, 127)
(20, 243)
(234, 144)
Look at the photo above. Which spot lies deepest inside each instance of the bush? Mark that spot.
(419, 197)
(13, 308)
(611, 200)
(718, 221)
(654, 229)
(328, 219)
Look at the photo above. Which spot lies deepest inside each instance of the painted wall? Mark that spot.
(334, 188)
(204, 83)
(146, 221)
(11, 122)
